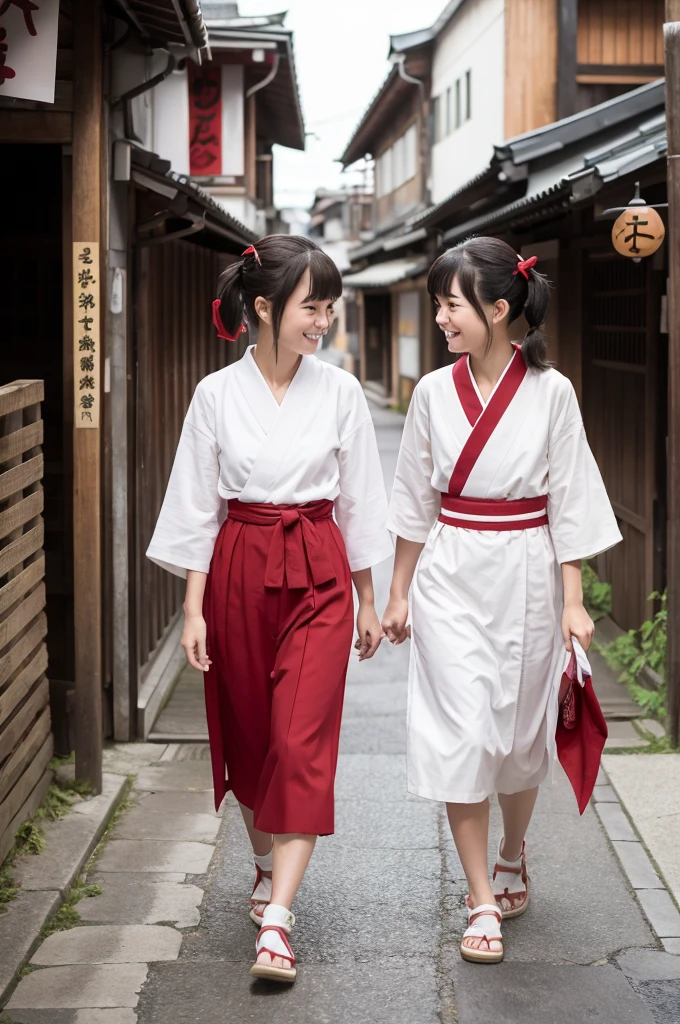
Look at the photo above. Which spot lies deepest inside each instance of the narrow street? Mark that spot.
(380, 913)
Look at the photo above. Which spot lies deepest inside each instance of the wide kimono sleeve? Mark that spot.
(415, 503)
(582, 522)
(361, 505)
(189, 519)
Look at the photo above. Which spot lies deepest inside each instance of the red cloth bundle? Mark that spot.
(581, 728)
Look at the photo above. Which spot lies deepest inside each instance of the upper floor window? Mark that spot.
(398, 164)
(453, 107)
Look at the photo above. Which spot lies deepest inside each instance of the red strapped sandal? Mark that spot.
(513, 904)
(273, 939)
(484, 923)
(262, 890)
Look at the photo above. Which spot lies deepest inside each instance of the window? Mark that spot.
(453, 108)
(398, 164)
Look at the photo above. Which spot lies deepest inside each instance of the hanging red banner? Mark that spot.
(205, 120)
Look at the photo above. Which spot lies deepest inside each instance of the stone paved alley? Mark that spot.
(379, 915)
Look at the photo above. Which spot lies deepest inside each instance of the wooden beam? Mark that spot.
(87, 575)
(672, 59)
(35, 126)
(567, 14)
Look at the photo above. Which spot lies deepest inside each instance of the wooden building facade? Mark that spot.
(107, 300)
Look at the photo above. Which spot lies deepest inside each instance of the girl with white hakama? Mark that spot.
(497, 498)
(272, 447)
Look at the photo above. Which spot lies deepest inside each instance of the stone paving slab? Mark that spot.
(671, 946)
(372, 993)
(142, 823)
(649, 788)
(149, 855)
(175, 775)
(138, 898)
(19, 931)
(661, 911)
(119, 1015)
(109, 944)
(178, 802)
(81, 986)
(649, 965)
(542, 993)
(604, 795)
(70, 841)
(374, 699)
(616, 824)
(637, 865)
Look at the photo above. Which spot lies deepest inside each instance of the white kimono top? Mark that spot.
(238, 442)
(487, 652)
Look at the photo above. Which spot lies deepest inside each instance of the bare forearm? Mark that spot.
(193, 597)
(405, 561)
(363, 581)
(571, 584)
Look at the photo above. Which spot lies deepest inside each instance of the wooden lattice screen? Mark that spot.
(25, 736)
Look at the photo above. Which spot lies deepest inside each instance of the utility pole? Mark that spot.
(672, 62)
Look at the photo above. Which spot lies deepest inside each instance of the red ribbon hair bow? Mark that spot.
(222, 331)
(524, 265)
(252, 251)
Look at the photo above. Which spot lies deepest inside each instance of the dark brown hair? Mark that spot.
(484, 271)
(283, 259)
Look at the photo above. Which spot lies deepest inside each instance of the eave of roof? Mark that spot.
(169, 22)
(405, 41)
(381, 275)
(157, 171)
(280, 108)
(559, 134)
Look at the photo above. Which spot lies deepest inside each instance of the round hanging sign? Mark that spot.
(638, 232)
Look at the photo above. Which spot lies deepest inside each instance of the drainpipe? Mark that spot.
(398, 59)
(125, 101)
(269, 78)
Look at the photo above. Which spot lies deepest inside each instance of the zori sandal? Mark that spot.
(484, 922)
(515, 902)
(262, 890)
(273, 939)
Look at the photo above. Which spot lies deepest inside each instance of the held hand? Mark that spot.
(370, 633)
(576, 622)
(394, 621)
(193, 642)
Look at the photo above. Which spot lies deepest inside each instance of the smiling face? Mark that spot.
(463, 329)
(305, 321)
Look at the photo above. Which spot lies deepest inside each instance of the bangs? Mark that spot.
(325, 280)
(443, 271)
(453, 263)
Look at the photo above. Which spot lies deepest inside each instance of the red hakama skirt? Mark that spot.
(279, 613)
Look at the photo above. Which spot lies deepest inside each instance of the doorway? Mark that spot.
(378, 325)
(31, 297)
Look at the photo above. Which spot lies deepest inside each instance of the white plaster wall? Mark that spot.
(475, 40)
(233, 141)
(171, 121)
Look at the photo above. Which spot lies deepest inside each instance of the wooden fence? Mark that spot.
(25, 735)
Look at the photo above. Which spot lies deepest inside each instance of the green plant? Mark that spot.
(597, 596)
(29, 838)
(67, 916)
(8, 889)
(639, 649)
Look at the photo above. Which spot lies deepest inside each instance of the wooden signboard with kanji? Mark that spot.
(86, 334)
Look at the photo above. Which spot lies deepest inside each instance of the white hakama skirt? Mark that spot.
(486, 661)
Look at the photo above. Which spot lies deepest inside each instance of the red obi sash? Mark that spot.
(487, 513)
(296, 543)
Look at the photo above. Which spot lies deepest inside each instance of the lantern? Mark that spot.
(638, 231)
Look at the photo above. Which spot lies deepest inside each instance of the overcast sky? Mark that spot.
(341, 58)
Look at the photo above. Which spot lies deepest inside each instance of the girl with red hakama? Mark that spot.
(275, 503)
(496, 500)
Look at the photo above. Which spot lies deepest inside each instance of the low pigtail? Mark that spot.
(534, 348)
(232, 300)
